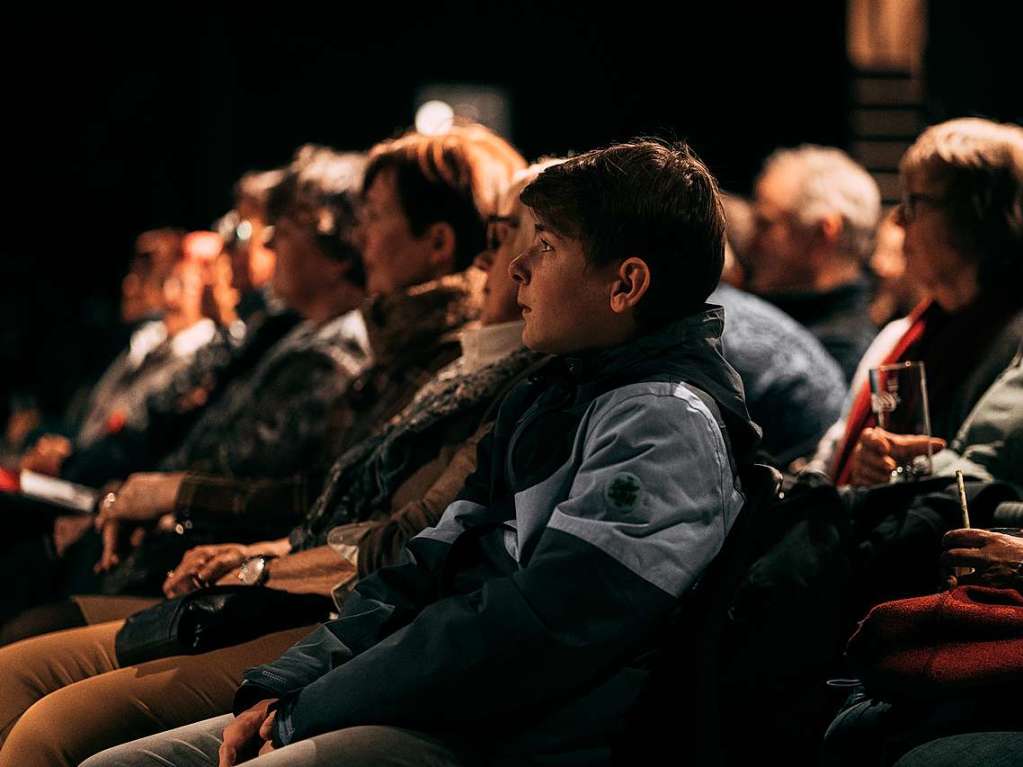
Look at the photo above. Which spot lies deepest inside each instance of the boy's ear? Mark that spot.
(631, 282)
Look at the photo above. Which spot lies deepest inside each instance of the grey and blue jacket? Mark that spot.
(606, 487)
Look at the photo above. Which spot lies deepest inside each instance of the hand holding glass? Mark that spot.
(898, 396)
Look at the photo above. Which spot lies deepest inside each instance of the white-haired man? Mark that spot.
(815, 215)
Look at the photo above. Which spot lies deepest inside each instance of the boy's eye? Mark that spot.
(545, 247)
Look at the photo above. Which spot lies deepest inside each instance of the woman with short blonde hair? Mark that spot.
(962, 213)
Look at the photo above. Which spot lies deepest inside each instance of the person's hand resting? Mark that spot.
(248, 735)
(266, 732)
(142, 499)
(878, 453)
(203, 566)
(997, 558)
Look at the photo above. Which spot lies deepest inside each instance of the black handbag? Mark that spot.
(212, 618)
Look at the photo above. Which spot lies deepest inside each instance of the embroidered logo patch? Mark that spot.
(622, 492)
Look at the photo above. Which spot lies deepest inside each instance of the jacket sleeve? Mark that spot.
(647, 509)
(989, 444)
(382, 544)
(286, 429)
(209, 501)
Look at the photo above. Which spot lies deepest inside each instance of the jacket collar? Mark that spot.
(702, 329)
(686, 350)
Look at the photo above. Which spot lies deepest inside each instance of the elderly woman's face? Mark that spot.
(508, 234)
(301, 264)
(394, 257)
(932, 257)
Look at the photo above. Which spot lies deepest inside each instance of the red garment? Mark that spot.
(861, 415)
(9, 482)
(116, 422)
(958, 642)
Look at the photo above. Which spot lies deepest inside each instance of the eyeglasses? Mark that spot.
(234, 229)
(497, 230)
(910, 200)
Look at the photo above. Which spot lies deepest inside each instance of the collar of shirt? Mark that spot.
(189, 340)
(485, 344)
(353, 327)
(144, 340)
(153, 335)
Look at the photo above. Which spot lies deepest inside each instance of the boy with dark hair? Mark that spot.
(645, 199)
(513, 630)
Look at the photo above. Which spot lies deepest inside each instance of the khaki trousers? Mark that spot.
(64, 697)
(372, 746)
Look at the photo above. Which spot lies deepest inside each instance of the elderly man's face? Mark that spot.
(779, 255)
(301, 263)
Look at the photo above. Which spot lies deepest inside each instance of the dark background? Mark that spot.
(125, 122)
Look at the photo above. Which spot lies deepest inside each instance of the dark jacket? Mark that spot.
(839, 318)
(411, 336)
(605, 488)
(794, 389)
(272, 423)
(172, 411)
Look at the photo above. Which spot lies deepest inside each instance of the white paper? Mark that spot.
(58, 491)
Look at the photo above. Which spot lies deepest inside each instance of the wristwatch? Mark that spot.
(254, 571)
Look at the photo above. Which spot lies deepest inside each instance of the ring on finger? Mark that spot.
(109, 500)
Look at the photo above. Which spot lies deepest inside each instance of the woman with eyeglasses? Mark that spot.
(962, 214)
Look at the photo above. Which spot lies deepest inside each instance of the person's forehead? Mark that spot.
(384, 188)
(541, 224)
(510, 206)
(920, 182)
(777, 189)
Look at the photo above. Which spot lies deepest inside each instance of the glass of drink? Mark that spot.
(898, 396)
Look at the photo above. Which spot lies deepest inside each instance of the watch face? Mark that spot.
(251, 570)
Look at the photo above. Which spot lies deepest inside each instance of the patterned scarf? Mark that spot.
(363, 480)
